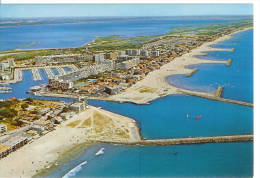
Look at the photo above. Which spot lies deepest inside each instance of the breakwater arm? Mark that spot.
(184, 141)
(215, 97)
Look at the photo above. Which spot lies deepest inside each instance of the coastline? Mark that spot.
(65, 142)
(155, 82)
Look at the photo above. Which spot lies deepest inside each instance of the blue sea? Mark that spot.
(75, 35)
(165, 117)
(236, 79)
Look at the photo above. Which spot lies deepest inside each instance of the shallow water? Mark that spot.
(218, 160)
(236, 79)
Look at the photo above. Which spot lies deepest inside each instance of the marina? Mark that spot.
(36, 74)
(49, 73)
(61, 71)
(210, 127)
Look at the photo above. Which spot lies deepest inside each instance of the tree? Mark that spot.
(8, 113)
(24, 105)
(65, 109)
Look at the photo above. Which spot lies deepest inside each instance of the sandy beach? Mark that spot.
(45, 151)
(155, 84)
(96, 124)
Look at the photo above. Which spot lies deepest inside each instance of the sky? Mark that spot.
(62, 10)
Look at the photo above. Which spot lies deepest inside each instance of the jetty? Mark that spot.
(215, 96)
(189, 140)
(229, 61)
(49, 73)
(5, 90)
(36, 74)
(192, 72)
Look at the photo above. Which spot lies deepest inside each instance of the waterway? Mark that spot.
(174, 116)
(168, 117)
(75, 35)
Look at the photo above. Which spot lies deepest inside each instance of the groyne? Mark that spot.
(215, 97)
(192, 72)
(186, 141)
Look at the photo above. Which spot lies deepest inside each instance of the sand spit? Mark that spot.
(42, 153)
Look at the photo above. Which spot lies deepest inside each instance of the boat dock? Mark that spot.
(5, 90)
(73, 68)
(61, 71)
(190, 140)
(18, 75)
(215, 96)
(49, 73)
(36, 74)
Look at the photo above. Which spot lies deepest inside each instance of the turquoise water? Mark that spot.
(205, 160)
(19, 89)
(165, 117)
(236, 79)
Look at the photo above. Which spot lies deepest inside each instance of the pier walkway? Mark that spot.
(61, 71)
(36, 74)
(18, 75)
(216, 96)
(49, 73)
(191, 140)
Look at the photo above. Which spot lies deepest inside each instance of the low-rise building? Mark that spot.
(155, 53)
(111, 55)
(3, 128)
(60, 84)
(4, 66)
(44, 111)
(11, 144)
(4, 77)
(113, 90)
(79, 106)
(64, 58)
(67, 115)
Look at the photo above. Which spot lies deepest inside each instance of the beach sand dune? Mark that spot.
(43, 152)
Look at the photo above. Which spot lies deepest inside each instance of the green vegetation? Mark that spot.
(114, 42)
(24, 105)
(27, 45)
(7, 112)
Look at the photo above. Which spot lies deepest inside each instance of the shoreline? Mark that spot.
(156, 81)
(68, 140)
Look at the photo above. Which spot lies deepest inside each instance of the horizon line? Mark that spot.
(210, 15)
